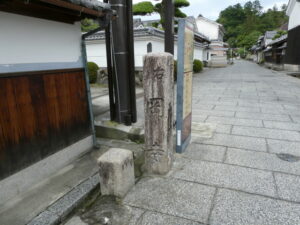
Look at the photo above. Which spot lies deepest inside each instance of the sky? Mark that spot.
(212, 8)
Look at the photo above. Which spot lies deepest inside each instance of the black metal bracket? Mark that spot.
(103, 24)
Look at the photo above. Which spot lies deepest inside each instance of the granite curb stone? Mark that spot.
(55, 213)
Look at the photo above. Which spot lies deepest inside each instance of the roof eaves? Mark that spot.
(91, 4)
(278, 40)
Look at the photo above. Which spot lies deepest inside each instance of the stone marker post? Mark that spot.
(158, 80)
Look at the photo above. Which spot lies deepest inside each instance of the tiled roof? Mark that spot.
(141, 32)
(91, 4)
(281, 39)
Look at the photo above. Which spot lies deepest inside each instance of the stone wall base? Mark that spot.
(278, 67)
(25, 179)
(292, 68)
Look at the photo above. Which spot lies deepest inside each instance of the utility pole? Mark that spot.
(123, 63)
(169, 26)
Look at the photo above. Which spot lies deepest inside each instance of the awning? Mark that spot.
(267, 49)
(283, 46)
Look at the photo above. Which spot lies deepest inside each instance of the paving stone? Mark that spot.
(238, 108)
(153, 218)
(214, 113)
(266, 133)
(234, 141)
(205, 152)
(136, 216)
(45, 218)
(228, 176)
(75, 221)
(173, 197)
(274, 111)
(199, 118)
(282, 125)
(235, 121)
(261, 160)
(228, 103)
(291, 107)
(261, 105)
(202, 130)
(236, 208)
(207, 97)
(246, 100)
(263, 116)
(223, 128)
(288, 186)
(203, 107)
(287, 147)
(296, 119)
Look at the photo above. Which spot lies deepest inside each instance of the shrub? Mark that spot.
(155, 24)
(92, 70)
(198, 66)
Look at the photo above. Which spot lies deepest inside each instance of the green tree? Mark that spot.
(147, 8)
(249, 40)
(143, 8)
(88, 25)
(244, 23)
(279, 34)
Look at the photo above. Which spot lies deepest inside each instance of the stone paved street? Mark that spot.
(245, 170)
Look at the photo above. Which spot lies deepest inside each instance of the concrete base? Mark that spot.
(218, 62)
(113, 130)
(27, 178)
(291, 68)
(116, 169)
(277, 67)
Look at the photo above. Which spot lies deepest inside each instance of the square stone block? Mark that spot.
(116, 169)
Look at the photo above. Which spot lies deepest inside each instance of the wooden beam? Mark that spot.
(39, 11)
(44, 72)
(74, 7)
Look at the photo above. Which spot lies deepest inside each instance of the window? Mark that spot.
(149, 47)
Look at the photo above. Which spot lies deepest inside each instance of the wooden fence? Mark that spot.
(40, 113)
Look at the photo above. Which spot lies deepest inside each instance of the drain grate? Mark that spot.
(288, 157)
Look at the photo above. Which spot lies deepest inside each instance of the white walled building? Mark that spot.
(217, 48)
(146, 40)
(293, 11)
(215, 32)
(292, 58)
(44, 101)
(31, 44)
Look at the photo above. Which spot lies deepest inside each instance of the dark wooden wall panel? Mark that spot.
(293, 47)
(39, 115)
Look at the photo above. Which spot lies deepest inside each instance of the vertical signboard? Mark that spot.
(184, 84)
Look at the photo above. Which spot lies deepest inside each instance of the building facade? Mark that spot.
(292, 61)
(45, 116)
(146, 39)
(215, 32)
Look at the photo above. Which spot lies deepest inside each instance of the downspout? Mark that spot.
(87, 79)
(88, 91)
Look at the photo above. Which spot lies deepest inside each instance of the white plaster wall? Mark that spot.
(295, 16)
(198, 53)
(25, 39)
(208, 29)
(96, 51)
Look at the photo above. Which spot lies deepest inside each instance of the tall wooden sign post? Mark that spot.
(184, 84)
